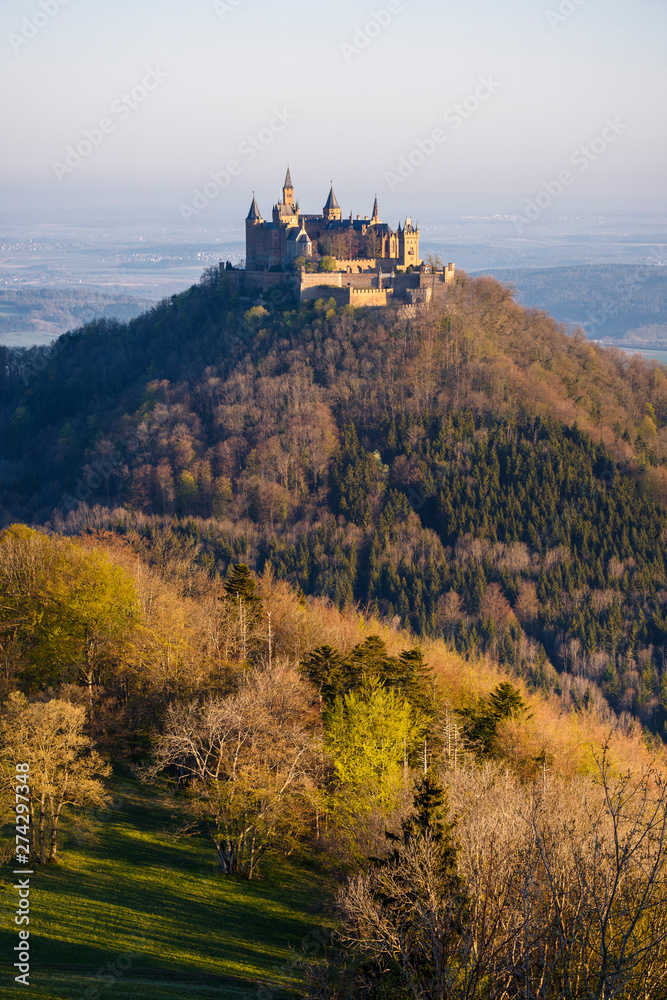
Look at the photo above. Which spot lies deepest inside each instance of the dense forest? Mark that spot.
(473, 473)
(378, 591)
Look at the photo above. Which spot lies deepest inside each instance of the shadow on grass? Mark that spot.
(201, 931)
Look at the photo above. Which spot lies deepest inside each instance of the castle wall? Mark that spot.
(370, 296)
(341, 296)
(333, 279)
(262, 281)
(358, 266)
(337, 279)
(416, 290)
(348, 294)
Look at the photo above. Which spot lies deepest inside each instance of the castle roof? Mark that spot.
(288, 180)
(254, 214)
(298, 234)
(331, 201)
(375, 208)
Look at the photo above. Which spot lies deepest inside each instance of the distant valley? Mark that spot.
(31, 316)
(613, 303)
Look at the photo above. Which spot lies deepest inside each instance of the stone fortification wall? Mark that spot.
(367, 289)
(341, 296)
(360, 297)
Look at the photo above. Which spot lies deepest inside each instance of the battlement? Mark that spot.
(416, 290)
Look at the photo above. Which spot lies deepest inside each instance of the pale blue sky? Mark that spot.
(356, 114)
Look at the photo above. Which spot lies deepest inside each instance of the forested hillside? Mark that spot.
(284, 770)
(337, 622)
(50, 311)
(471, 473)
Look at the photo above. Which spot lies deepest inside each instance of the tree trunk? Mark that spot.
(42, 817)
(55, 819)
(251, 866)
(227, 856)
(31, 826)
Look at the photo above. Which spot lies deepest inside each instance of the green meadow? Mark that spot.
(137, 914)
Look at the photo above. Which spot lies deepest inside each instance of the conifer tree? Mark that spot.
(241, 585)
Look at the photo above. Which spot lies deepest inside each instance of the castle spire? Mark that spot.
(376, 216)
(331, 201)
(332, 209)
(254, 215)
(288, 190)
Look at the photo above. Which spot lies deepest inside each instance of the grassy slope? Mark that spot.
(204, 936)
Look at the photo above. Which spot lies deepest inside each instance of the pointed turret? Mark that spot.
(254, 215)
(376, 215)
(332, 209)
(288, 190)
(331, 200)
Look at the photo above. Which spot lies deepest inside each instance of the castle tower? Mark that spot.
(262, 241)
(254, 215)
(408, 245)
(332, 210)
(252, 241)
(376, 217)
(288, 190)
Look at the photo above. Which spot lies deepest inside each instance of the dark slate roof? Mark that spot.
(331, 201)
(254, 212)
(288, 180)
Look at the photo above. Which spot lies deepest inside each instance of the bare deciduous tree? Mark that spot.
(247, 762)
(64, 768)
(562, 895)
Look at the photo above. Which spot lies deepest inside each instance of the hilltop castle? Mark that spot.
(351, 245)
(358, 262)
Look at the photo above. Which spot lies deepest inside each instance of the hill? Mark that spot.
(36, 315)
(137, 896)
(623, 303)
(472, 473)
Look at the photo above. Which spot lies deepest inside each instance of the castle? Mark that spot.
(355, 245)
(358, 262)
